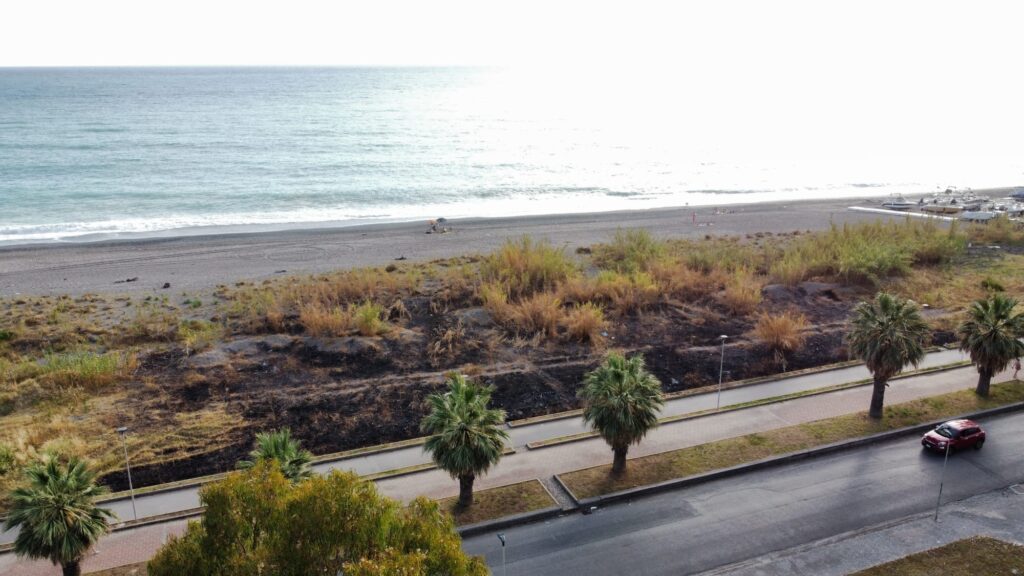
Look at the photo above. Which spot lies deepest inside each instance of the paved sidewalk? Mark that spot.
(998, 514)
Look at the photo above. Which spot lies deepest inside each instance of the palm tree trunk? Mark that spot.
(466, 490)
(72, 568)
(877, 398)
(984, 379)
(619, 461)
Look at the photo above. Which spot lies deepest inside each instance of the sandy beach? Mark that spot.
(194, 263)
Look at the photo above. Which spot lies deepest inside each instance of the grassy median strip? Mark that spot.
(971, 557)
(129, 570)
(730, 452)
(500, 502)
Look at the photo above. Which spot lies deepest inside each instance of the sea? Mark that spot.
(100, 153)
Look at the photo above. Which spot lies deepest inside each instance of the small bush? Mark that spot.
(585, 323)
(742, 292)
(629, 252)
(6, 335)
(320, 320)
(88, 370)
(369, 319)
(538, 314)
(8, 459)
(781, 333)
(685, 283)
(152, 323)
(992, 285)
(526, 267)
(495, 300)
(628, 293)
(198, 334)
(578, 290)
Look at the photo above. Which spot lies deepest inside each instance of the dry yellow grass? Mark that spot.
(500, 502)
(585, 323)
(974, 556)
(782, 333)
(742, 292)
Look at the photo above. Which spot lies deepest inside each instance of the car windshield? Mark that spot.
(946, 431)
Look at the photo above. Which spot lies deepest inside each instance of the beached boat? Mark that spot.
(950, 207)
(898, 202)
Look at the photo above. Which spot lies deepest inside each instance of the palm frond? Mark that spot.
(621, 400)
(466, 436)
(55, 512)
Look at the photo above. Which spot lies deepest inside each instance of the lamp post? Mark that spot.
(123, 430)
(504, 570)
(942, 479)
(721, 364)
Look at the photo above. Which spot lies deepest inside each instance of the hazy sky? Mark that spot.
(940, 70)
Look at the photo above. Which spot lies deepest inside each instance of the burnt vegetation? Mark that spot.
(347, 359)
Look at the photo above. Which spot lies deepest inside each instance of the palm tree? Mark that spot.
(466, 438)
(887, 334)
(56, 515)
(621, 401)
(990, 335)
(280, 446)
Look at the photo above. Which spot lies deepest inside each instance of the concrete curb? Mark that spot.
(509, 521)
(578, 437)
(778, 460)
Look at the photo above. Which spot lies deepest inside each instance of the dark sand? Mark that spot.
(195, 263)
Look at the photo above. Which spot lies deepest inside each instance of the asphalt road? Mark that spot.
(700, 528)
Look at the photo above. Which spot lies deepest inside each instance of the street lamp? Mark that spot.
(721, 364)
(942, 479)
(504, 570)
(123, 430)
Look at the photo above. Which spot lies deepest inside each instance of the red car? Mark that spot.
(957, 434)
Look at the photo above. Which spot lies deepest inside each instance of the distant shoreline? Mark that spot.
(201, 262)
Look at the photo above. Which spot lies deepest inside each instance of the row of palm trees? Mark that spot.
(58, 519)
(888, 334)
(621, 400)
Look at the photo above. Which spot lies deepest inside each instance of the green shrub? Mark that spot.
(6, 335)
(630, 251)
(867, 253)
(992, 285)
(8, 459)
(198, 334)
(369, 319)
(86, 369)
(525, 267)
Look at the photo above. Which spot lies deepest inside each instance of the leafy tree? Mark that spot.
(990, 334)
(56, 515)
(887, 334)
(621, 401)
(258, 522)
(466, 436)
(280, 446)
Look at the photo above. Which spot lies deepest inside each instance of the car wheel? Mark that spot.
(979, 444)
